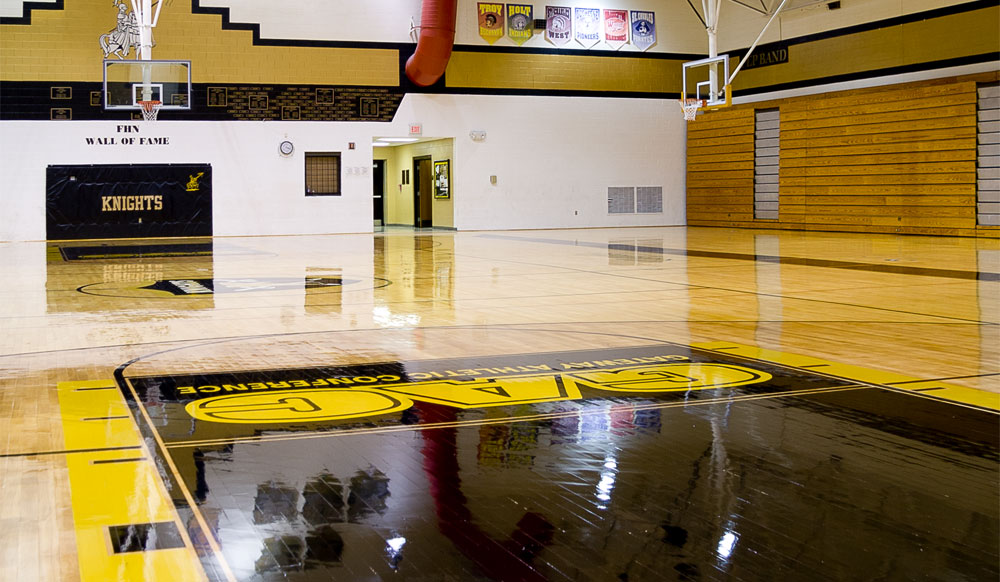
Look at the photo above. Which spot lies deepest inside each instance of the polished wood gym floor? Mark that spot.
(601, 404)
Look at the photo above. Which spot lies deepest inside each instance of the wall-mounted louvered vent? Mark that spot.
(631, 200)
(621, 200)
(649, 199)
(767, 153)
(988, 160)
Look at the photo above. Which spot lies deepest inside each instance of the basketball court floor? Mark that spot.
(602, 404)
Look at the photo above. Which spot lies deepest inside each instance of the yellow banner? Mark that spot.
(490, 21)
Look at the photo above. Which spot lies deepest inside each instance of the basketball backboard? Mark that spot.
(707, 80)
(128, 82)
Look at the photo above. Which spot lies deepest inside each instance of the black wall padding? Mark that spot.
(128, 200)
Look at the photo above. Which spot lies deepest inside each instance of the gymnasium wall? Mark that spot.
(892, 159)
(562, 124)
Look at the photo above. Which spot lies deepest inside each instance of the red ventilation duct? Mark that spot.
(437, 36)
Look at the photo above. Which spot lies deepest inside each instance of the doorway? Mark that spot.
(423, 192)
(378, 192)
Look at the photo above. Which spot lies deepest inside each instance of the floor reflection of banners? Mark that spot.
(615, 27)
(558, 24)
(587, 26)
(643, 29)
(490, 21)
(520, 23)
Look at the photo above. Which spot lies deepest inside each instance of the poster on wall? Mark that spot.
(615, 28)
(587, 26)
(558, 24)
(643, 29)
(520, 23)
(442, 179)
(490, 21)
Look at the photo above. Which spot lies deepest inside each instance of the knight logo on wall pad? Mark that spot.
(128, 201)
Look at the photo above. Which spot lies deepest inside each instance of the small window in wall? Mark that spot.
(322, 173)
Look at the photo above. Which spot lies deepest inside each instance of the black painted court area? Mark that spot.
(799, 477)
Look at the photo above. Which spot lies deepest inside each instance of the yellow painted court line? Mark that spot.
(115, 488)
(932, 389)
(207, 531)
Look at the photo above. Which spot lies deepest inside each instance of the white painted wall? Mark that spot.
(255, 190)
(739, 26)
(554, 158)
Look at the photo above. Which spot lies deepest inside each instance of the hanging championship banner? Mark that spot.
(615, 28)
(587, 26)
(558, 24)
(643, 29)
(520, 25)
(490, 21)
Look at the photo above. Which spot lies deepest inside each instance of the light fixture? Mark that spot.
(380, 144)
(399, 139)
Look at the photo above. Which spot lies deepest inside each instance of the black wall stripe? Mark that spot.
(26, 10)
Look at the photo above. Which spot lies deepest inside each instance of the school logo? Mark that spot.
(124, 37)
(558, 24)
(520, 24)
(313, 399)
(643, 29)
(192, 185)
(587, 25)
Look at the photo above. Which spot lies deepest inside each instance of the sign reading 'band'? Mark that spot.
(126, 200)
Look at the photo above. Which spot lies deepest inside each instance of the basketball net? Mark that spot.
(690, 108)
(149, 109)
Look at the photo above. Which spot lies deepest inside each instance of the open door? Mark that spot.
(423, 192)
(378, 192)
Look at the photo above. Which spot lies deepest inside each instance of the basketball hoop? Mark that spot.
(149, 109)
(691, 107)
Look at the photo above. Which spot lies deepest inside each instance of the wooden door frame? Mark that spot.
(419, 221)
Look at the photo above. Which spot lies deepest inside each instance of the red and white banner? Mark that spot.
(615, 28)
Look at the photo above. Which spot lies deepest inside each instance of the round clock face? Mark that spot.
(286, 148)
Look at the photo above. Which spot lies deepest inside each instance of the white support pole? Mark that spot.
(145, 21)
(712, 10)
(754, 45)
(142, 11)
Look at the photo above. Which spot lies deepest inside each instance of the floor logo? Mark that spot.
(326, 399)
